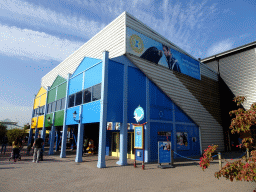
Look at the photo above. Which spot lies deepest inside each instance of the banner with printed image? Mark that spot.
(151, 50)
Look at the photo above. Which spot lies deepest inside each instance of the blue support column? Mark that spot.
(30, 135)
(123, 127)
(80, 138)
(52, 136)
(31, 130)
(36, 132)
(147, 127)
(65, 127)
(174, 138)
(103, 113)
(57, 139)
(45, 111)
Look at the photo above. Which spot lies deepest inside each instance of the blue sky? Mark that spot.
(35, 36)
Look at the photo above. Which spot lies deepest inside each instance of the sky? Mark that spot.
(37, 35)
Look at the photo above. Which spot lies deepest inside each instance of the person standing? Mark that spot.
(4, 143)
(39, 142)
(15, 149)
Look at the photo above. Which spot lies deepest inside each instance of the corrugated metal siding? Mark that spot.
(208, 72)
(238, 72)
(111, 38)
(199, 99)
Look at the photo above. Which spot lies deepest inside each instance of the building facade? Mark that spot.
(124, 66)
(236, 69)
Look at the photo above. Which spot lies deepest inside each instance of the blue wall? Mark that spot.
(85, 64)
(136, 93)
(160, 102)
(115, 92)
(93, 76)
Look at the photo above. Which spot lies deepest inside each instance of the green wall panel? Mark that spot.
(61, 92)
(46, 121)
(59, 117)
(58, 81)
(51, 95)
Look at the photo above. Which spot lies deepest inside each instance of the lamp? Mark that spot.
(74, 116)
(49, 120)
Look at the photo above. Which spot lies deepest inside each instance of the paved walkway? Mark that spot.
(56, 174)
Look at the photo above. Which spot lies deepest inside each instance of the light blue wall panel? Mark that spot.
(115, 92)
(69, 118)
(93, 76)
(75, 84)
(85, 64)
(91, 112)
(136, 93)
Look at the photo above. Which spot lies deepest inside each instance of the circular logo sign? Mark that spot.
(136, 43)
(138, 114)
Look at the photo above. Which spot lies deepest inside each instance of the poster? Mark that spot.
(151, 50)
(164, 152)
(138, 137)
(182, 139)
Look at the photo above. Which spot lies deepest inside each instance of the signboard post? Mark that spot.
(139, 133)
(164, 154)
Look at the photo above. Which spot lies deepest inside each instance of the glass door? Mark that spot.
(115, 144)
(130, 146)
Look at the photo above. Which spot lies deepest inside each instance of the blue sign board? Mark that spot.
(138, 136)
(138, 114)
(158, 53)
(164, 152)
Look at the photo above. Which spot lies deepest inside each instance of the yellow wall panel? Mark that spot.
(41, 91)
(40, 123)
(43, 100)
(33, 122)
(36, 103)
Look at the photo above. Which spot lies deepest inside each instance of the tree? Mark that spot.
(2, 130)
(245, 168)
(13, 134)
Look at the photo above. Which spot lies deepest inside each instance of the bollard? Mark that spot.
(172, 157)
(220, 163)
(247, 154)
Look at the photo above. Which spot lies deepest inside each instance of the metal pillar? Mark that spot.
(123, 127)
(52, 136)
(103, 113)
(45, 111)
(80, 138)
(65, 127)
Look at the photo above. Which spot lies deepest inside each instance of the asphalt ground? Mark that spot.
(64, 174)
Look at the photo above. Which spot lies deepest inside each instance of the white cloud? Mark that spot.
(26, 13)
(34, 44)
(220, 47)
(182, 23)
(22, 114)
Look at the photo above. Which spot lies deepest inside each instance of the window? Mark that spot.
(58, 105)
(79, 98)
(41, 110)
(71, 102)
(96, 93)
(49, 110)
(87, 95)
(63, 103)
(53, 106)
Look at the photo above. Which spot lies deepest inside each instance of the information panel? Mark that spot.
(138, 136)
(151, 50)
(164, 152)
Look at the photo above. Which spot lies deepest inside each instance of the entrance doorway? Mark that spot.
(115, 145)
